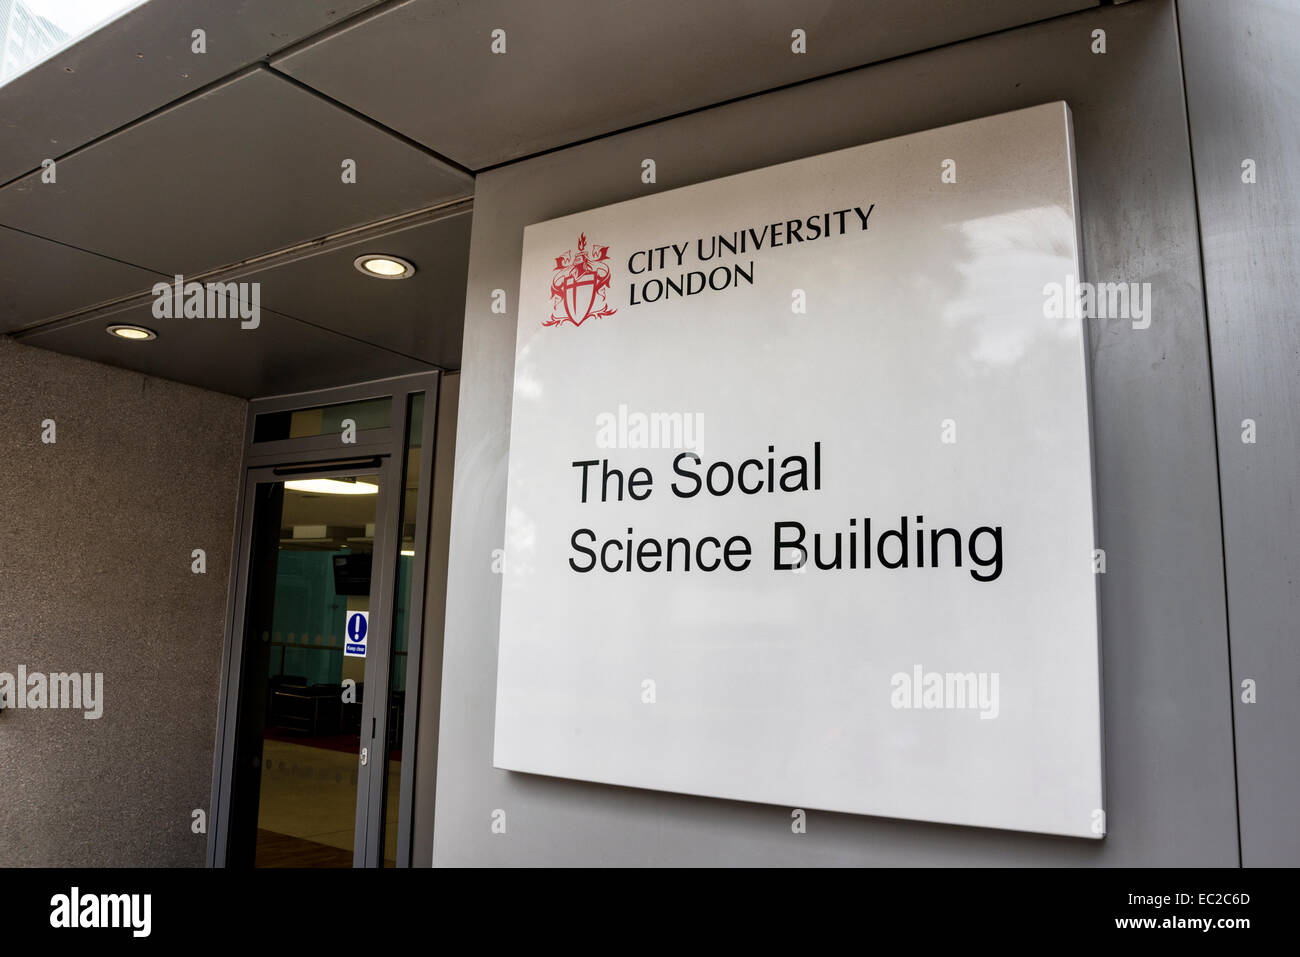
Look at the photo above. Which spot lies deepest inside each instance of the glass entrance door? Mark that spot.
(308, 783)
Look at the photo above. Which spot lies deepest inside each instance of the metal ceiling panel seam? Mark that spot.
(501, 101)
(267, 157)
(142, 62)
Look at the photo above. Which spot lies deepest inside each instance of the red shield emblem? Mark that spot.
(579, 285)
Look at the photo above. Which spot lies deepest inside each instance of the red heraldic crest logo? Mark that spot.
(579, 285)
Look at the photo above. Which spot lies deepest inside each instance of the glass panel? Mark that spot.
(35, 30)
(401, 628)
(321, 420)
(299, 731)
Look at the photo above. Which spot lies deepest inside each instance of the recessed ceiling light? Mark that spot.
(331, 487)
(134, 333)
(378, 266)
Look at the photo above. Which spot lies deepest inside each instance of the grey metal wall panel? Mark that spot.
(1166, 684)
(95, 576)
(251, 166)
(574, 69)
(140, 62)
(1243, 97)
(435, 617)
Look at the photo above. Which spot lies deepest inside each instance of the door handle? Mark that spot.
(365, 756)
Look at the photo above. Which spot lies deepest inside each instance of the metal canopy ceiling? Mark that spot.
(574, 69)
(227, 165)
(246, 167)
(140, 62)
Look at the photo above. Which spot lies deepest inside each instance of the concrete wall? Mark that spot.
(1167, 688)
(95, 576)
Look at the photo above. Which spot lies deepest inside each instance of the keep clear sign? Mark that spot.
(800, 498)
(357, 625)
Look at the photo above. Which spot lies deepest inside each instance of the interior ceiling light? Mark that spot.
(134, 333)
(378, 266)
(331, 487)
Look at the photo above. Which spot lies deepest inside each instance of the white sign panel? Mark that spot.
(800, 502)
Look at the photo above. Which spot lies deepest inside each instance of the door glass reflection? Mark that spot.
(304, 681)
(401, 631)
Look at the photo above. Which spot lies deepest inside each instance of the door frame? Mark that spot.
(323, 455)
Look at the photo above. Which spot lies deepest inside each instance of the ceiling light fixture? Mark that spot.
(134, 333)
(378, 266)
(331, 487)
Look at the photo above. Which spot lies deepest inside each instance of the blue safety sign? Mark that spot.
(354, 642)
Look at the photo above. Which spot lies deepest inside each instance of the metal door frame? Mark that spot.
(375, 450)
